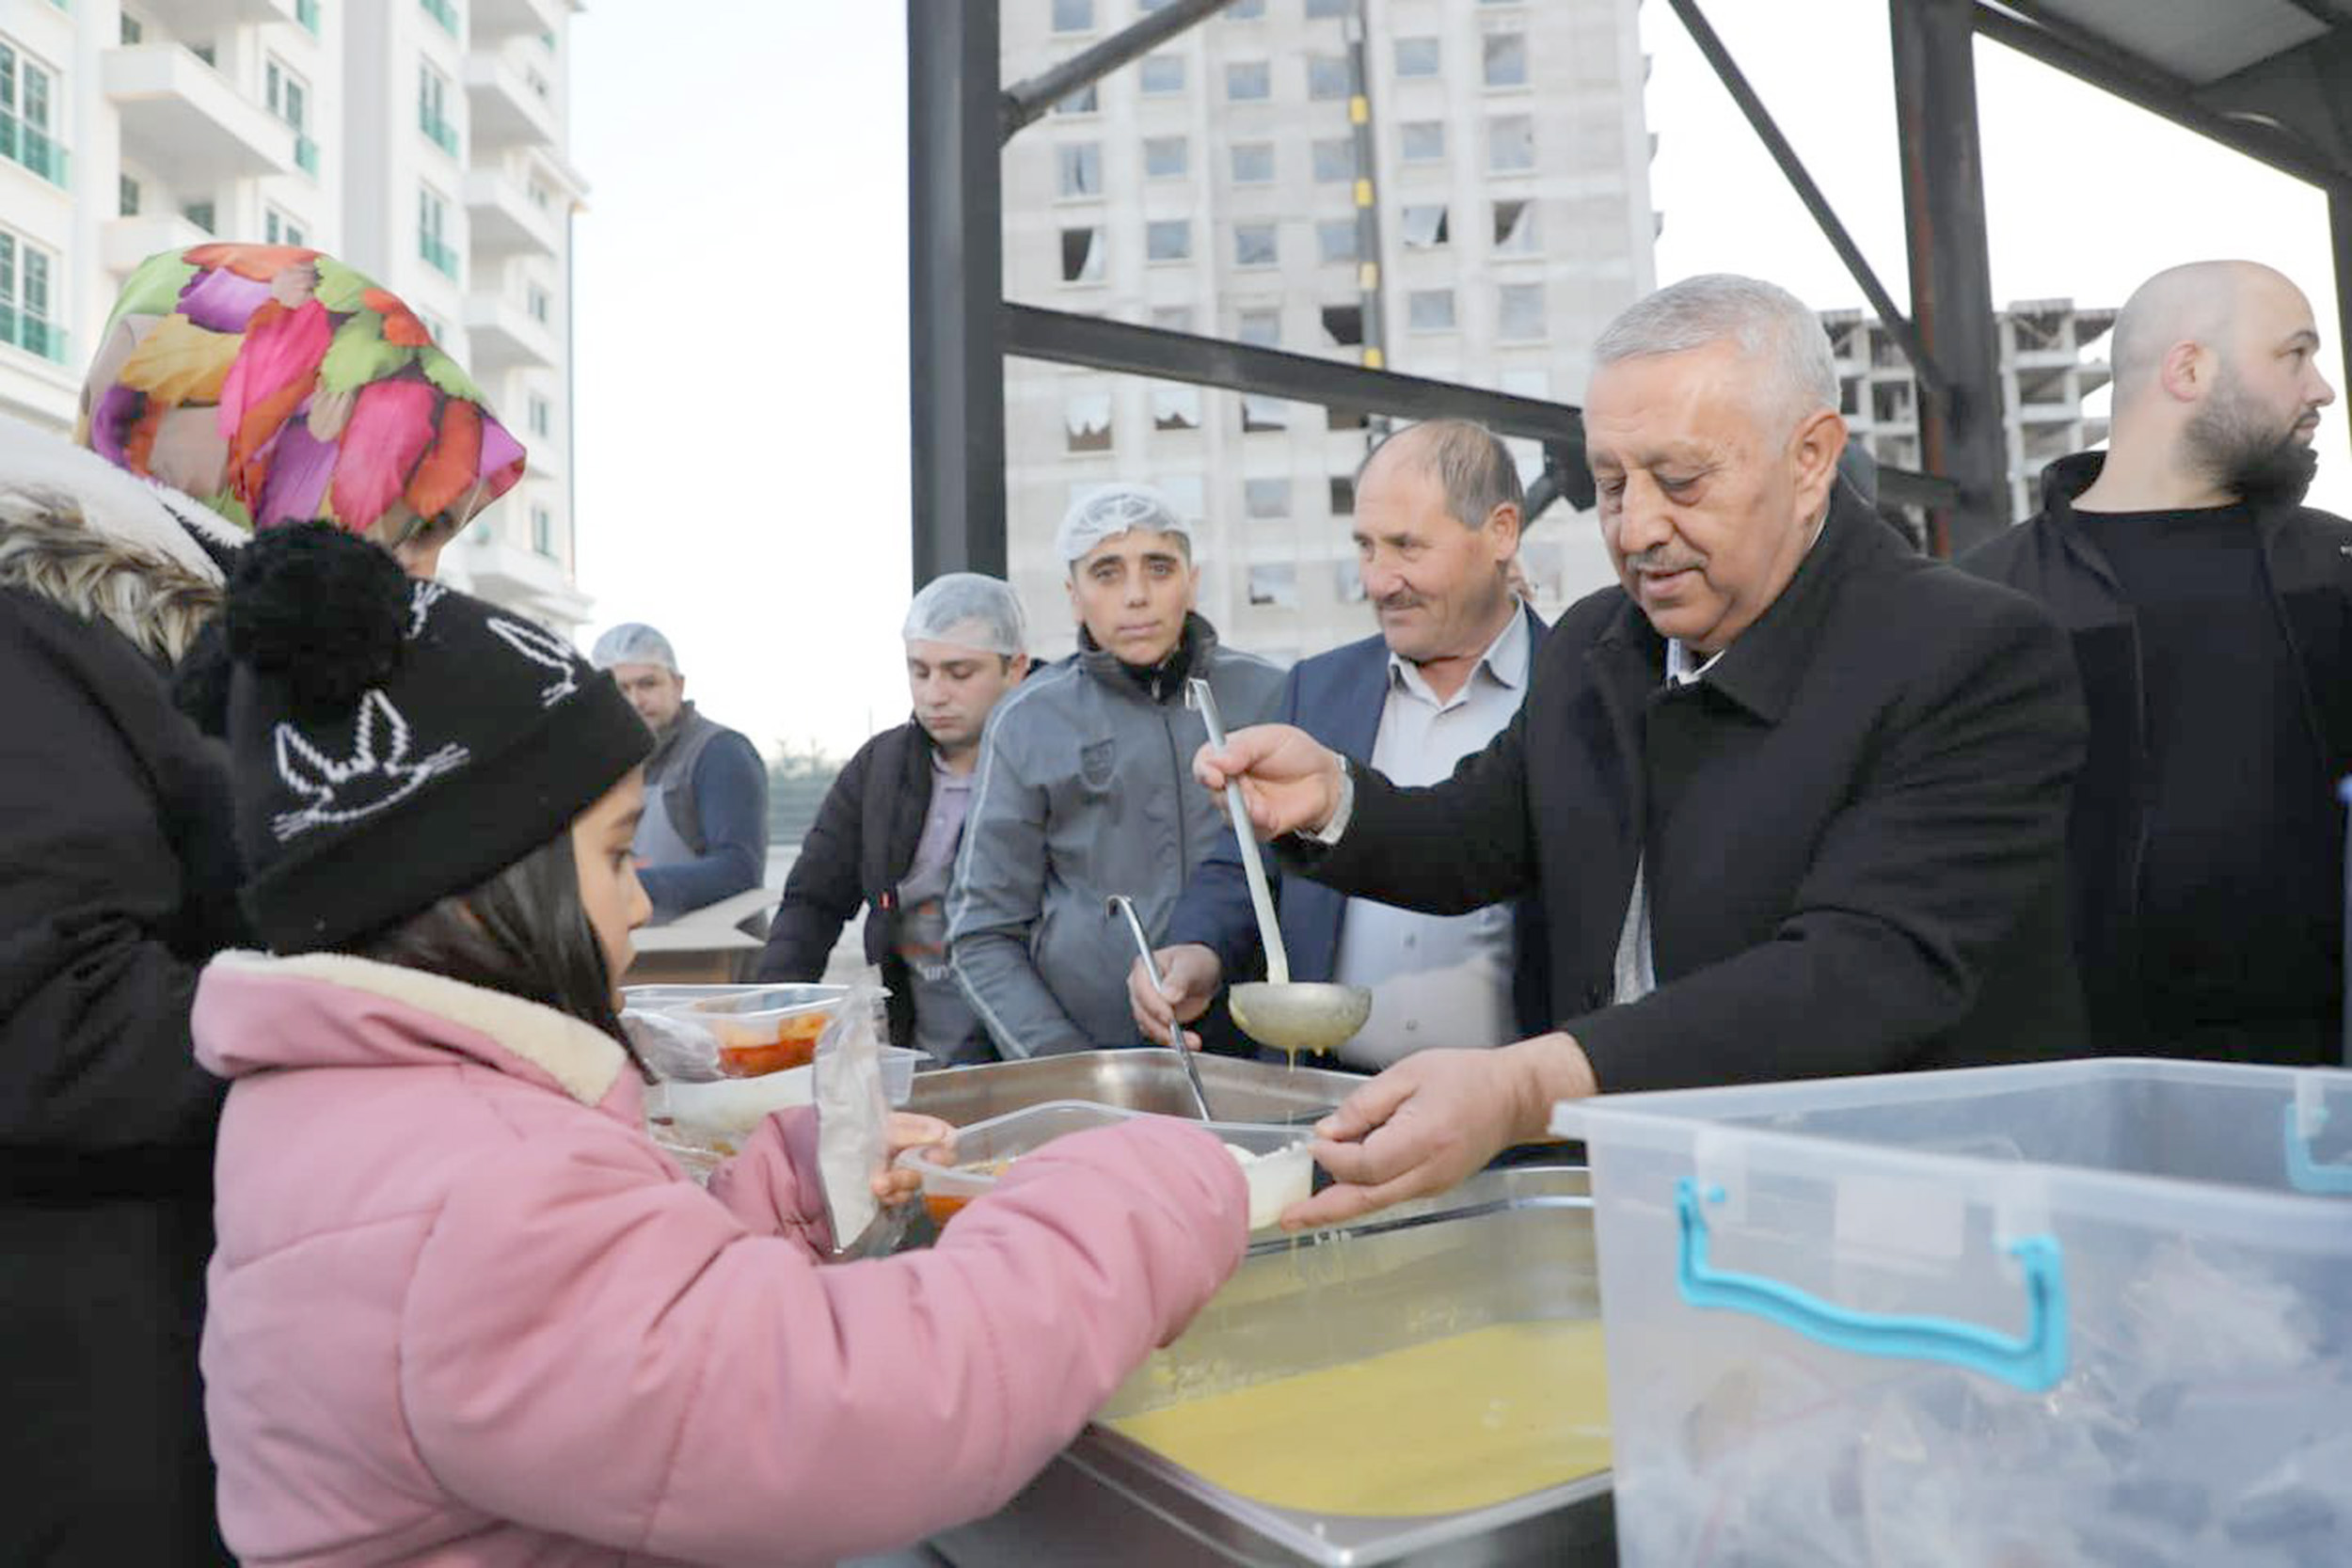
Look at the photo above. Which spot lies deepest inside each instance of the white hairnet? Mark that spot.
(633, 643)
(1113, 510)
(971, 612)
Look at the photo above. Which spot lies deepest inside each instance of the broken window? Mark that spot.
(1254, 245)
(1416, 57)
(1175, 407)
(1249, 81)
(1520, 318)
(1515, 228)
(1335, 161)
(1329, 77)
(1253, 163)
(1342, 495)
(1274, 585)
(1081, 168)
(1087, 422)
(1335, 238)
(1082, 256)
(1510, 143)
(1167, 240)
(1263, 414)
(1424, 141)
(1890, 402)
(1429, 309)
(1167, 157)
(1426, 227)
(1849, 395)
(1506, 59)
(1344, 326)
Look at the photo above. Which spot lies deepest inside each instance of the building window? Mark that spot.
(1073, 16)
(1426, 227)
(202, 215)
(1266, 498)
(1416, 57)
(1260, 328)
(1520, 318)
(1172, 318)
(1424, 141)
(1081, 168)
(289, 98)
(1244, 10)
(1253, 163)
(539, 302)
(1167, 157)
(432, 230)
(538, 194)
(1335, 239)
(1328, 7)
(27, 99)
(1167, 240)
(1344, 326)
(27, 316)
(445, 13)
(1248, 81)
(433, 109)
(1342, 495)
(1335, 161)
(1506, 59)
(1082, 256)
(277, 229)
(1175, 407)
(1254, 245)
(1087, 422)
(1349, 581)
(307, 12)
(1515, 228)
(1260, 415)
(1276, 586)
(132, 31)
(1163, 74)
(1510, 143)
(1086, 101)
(1328, 76)
(542, 530)
(126, 196)
(1429, 311)
(542, 417)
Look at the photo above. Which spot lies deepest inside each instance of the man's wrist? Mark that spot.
(1549, 1068)
(1336, 824)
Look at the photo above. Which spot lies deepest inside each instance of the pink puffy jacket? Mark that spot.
(465, 1312)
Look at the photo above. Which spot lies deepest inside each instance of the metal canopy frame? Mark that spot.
(2292, 111)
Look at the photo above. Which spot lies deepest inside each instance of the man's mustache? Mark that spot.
(1659, 560)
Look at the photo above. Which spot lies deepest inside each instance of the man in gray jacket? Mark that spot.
(1085, 785)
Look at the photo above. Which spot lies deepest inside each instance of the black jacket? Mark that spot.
(2307, 557)
(118, 879)
(857, 852)
(1852, 825)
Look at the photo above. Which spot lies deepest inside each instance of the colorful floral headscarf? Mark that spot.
(276, 385)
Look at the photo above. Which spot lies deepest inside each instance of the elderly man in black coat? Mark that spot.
(1793, 799)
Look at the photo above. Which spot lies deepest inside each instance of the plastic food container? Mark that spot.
(655, 999)
(2072, 1312)
(766, 1029)
(731, 1108)
(1279, 1171)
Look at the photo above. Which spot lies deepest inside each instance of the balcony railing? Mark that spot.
(33, 147)
(443, 133)
(444, 13)
(306, 155)
(441, 256)
(32, 334)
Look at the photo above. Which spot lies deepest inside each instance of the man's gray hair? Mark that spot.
(1772, 326)
(1470, 463)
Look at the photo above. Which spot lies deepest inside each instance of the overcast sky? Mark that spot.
(741, 307)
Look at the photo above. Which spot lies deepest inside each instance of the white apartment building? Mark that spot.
(423, 141)
(1213, 187)
(2051, 360)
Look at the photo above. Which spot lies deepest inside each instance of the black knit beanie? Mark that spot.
(397, 742)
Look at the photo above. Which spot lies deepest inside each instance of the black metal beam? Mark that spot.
(1123, 347)
(1951, 269)
(1768, 130)
(1025, 101)
(2034, 32)
(955, 281)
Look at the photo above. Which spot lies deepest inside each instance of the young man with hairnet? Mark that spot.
(887, 836)
(704, 836)
(1083, 789)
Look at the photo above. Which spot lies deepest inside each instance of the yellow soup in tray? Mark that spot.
(1455, 1423)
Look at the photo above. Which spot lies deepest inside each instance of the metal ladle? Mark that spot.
(1119, 903)
(1290, 1016)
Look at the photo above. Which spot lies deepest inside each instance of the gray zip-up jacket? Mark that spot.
(1085, 789)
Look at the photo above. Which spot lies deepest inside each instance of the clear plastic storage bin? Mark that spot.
(2090, 1312)
(1281, 1173)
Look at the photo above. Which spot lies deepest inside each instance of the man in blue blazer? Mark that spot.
(1438, 509)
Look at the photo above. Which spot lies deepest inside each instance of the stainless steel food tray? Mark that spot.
(1142, 1079)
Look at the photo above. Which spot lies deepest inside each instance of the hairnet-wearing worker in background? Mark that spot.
(1083, 785)
(887, 834)
(704, 836)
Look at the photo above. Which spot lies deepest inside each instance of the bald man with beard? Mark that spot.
(2209, 610)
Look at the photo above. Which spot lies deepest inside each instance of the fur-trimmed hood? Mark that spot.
(103, 544)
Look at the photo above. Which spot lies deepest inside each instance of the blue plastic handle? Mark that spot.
(2307, 1174)
(2034, 1361)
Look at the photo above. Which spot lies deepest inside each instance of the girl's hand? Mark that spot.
(908, 1131)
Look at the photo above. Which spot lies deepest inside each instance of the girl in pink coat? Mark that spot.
(463, 1311)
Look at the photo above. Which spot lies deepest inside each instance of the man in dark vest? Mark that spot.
(704, 836)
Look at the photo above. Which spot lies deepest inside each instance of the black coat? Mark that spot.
(856, 853)
(2307, 559)
(117, 877)
(1852, 824)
